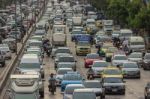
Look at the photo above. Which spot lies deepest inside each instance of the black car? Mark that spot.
(147, 91)
(146, 61)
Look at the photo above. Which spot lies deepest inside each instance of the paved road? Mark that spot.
(134, 87)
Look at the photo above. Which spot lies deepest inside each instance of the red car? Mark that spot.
(90, 58)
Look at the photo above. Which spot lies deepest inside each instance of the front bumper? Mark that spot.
(112, 90)
(132, 75)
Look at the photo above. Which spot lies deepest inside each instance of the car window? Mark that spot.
(92, 56)
(72, 77)
(147, 56)
(112, 80)
(120, 58)
(92, 85)
(112, 72)
(61, 72)
(66, 59)
(24, 96)
(62, 51)
(135, 55)
(30, 65)
(100, 64)
(130, 65)
(86, 95)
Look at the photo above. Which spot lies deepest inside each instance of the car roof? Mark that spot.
(64, 69)
(75, 85)
(84, 90)
(92, 81)
(112, 76)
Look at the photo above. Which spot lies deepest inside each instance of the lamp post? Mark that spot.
(16, 24)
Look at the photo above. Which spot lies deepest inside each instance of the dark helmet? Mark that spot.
(51, 75)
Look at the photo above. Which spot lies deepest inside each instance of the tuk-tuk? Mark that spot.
(11, 43)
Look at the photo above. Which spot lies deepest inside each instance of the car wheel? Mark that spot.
(123, 93)
(77, 54)
(145, 97)
(144, 68)
(102, 97)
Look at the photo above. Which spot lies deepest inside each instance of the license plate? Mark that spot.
(114, 90)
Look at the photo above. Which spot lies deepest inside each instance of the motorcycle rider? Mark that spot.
(52, 84)
(90, 73)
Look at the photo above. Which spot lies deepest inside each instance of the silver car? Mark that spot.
(131, 70)
(70, 89)
(136, 57)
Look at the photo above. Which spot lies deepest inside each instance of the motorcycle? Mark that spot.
(90, 74)
(52, 88)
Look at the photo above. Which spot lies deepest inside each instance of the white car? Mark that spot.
(136, 57)
(70, 89)
(98, 67)
(119, 59)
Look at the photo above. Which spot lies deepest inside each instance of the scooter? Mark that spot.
(52, 89)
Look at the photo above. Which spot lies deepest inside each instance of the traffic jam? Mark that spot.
(87, 56)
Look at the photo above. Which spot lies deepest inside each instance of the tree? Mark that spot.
(117, 11)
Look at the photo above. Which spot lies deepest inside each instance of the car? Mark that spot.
(37, 37)
(86, 93)
(147, 91)
(110, 52)
(88, 60)
(98, 67)
(60, 50)
(70, 89)
(60, 73)
(34, 43)
(96, 86)
(40, 32)
(131, 70)
(119, 59)
(6, 51)
(136, 57)
(83, 48)
(71, 78)
(31, 62)
(66, 65)
(146, 61)
(65, 59)
(25, 85)
(111, 70)
(114, 84)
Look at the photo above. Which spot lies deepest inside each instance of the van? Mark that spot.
(136, 44)
(125, 34)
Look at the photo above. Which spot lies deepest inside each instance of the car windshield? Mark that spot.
(30, 65)
(92, 56)
(62, 51)
(72, 77)
(137, 43)
(147, 56)
(92, 85)
(126, 34)
(62, 72)
(112, 72)
(86, 95)
(83, 44)
(66, 59)
(135, 55)
(130, 65)
(24, 96)
(4, 48)
(112, 80)
(100, 64)
(39, 44)
(120, 58)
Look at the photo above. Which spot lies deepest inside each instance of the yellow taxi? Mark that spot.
(110, 52)
(112, 71)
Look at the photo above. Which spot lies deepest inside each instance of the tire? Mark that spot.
(102, 96)
(123, 93)
(42, 94)
(145, 97)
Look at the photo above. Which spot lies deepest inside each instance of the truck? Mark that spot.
(59, 37)
(108, 26)
(77, 21)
